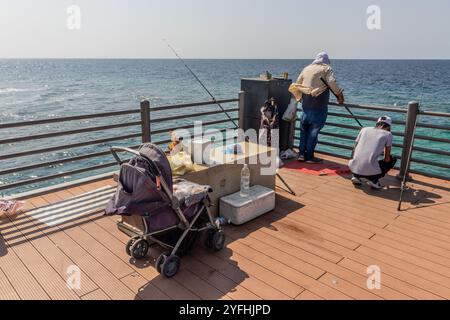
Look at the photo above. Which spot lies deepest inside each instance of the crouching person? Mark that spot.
(370, 145)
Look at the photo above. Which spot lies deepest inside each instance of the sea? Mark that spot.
(51, 88)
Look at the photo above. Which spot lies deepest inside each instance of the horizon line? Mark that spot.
(173, 58)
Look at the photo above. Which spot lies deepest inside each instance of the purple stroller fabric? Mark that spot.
(137, 192)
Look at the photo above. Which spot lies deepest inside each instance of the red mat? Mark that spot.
(319, 169)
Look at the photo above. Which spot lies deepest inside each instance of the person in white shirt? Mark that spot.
(371, 143)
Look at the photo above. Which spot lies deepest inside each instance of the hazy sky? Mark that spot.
(224, 29)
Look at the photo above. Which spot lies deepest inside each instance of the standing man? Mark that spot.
(315, 83)
(370, 145)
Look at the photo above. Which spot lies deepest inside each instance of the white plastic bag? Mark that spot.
(291, 111)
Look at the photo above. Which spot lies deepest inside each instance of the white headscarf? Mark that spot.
(322, 58)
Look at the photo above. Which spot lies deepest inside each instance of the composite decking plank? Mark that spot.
(416, 229)
(244, 257)
(100, 275)
(48, 278)
(233, 271)
(287, 253)
(316, 231)
(370, 219)
(202, 288)
(234, 290)
(413, 267)
(51, 253)
(97, 272)
(96, 295)
(144, 290)
(155, 284)
(243, 254)
(414, 242)
(441, 229)
(308, 296)
(7, 291)
(412, 250)
(389, 281)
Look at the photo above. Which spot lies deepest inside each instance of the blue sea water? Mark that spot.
(36, 89)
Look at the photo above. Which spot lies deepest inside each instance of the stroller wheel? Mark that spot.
(171, 266)
(139, 249)
(160, 261)
(129, 245)
(209, 238)
(215, 239)
(218, 240)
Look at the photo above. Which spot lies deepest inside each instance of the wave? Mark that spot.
(14, 90)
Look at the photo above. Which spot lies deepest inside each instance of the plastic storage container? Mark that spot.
(239, 210)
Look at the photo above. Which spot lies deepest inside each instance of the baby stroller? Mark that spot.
(173, 213)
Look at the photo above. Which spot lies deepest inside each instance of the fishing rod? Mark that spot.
(215, 100)
(349, 111)
(200, 82)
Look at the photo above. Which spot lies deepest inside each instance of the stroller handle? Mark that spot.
(116, 150)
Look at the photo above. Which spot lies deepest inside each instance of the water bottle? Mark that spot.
(245, 181)
(222, 221)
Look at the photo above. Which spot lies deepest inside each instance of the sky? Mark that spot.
(247, 29)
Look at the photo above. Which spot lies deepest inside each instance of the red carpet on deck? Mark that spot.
(319, 169)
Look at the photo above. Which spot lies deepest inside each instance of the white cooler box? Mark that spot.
(239, 210)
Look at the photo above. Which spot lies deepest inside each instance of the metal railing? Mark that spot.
(148, 123)
(411, 115)
(154, 123)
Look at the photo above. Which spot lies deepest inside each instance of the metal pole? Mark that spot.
(411, 121)
(408, 163)
(242, 110)
(145, 121)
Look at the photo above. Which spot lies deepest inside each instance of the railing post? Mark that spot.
(145, 121)
(411, 121)
(242, 110)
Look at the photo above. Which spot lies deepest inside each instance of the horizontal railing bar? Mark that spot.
(69, 132)
(333, 154)
(348, 116)
(431, 163)
(432, 151)
(396, 134)
(434, 114)
(429, 174)
(365, 107)
(335, 145)
(191, 115)
(427, 138)
(432, 126)
(69, 146)
(345, 126)
(188, 105)
(65, 119)
(346, 138)
(56, 176)
(191, 125)
(56, 162)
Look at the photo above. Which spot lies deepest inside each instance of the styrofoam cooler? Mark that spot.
(239, 210)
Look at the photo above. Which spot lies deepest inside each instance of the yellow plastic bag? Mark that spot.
(180, 163)
(296, 92)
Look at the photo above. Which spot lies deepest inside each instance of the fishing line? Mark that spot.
(200, 82)
(214, 99)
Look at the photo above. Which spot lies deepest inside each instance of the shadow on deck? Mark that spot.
(316, 245)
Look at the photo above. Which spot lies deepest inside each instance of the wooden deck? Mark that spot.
(317, 245)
